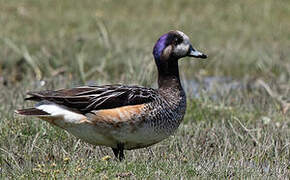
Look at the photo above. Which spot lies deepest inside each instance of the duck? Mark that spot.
(118, 116)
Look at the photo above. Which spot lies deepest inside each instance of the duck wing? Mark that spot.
(88, 98)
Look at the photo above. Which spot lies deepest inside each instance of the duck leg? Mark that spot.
(116, 152)
(119, 151)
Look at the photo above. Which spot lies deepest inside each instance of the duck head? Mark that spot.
(173, 46)
(168, 49)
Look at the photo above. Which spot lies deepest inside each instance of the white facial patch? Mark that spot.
(182, 49)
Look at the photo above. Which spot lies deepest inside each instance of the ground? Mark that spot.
(237, 124)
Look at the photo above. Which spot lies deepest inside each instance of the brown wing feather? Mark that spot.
(88, 98)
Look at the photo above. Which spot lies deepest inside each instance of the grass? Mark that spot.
(240, 133)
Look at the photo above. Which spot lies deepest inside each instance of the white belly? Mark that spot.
(141, 137)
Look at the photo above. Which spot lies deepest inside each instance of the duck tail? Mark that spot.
(31, 112)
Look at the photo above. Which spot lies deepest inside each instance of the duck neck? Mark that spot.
(168, 75)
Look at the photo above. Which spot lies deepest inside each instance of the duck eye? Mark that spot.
(176, 41)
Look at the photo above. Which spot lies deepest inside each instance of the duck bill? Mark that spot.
(194, 53)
